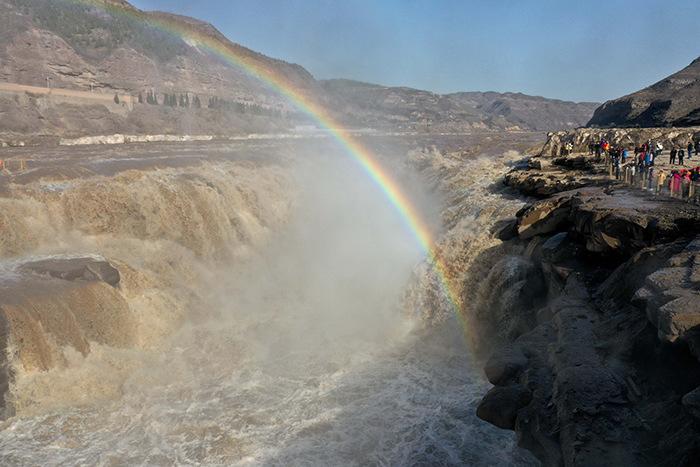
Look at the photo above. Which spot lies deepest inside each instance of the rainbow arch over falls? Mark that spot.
(307, 105)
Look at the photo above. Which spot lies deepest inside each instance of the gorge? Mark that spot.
(230, 292)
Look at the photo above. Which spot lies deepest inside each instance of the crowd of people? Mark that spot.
(639, 165)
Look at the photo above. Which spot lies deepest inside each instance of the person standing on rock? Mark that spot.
(681, 156)
(660, 181)
(672, 156)
(658, 149)
(675, 183)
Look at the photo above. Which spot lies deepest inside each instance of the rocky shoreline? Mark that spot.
(594, 348)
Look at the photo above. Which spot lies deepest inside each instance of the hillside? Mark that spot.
(673, 101)
(374, 105)
(105, 67)
(114, 48)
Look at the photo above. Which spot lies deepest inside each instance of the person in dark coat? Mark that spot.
(681, 156)
(672, 156)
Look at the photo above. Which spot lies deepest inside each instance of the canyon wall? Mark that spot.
(588, 313)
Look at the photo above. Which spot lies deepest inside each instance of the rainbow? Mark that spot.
(256, 68)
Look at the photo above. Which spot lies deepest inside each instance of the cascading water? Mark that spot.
(302, 352)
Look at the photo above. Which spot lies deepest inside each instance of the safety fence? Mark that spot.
(660, 182)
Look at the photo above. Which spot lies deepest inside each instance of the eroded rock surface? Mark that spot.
(72, 269)
(601, 365)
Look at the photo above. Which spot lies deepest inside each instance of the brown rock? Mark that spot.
(75, 269)
(501, 404)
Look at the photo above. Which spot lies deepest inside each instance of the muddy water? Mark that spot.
(409, 402)
(307, 356)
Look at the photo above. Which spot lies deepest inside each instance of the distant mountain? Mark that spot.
(381, 106)
(673, 101)
(110, 68)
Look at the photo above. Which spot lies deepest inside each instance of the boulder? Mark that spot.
(678, 317)
(544, 183)
(691, 401)
(75, 269)
(670, 297)
(500, 405)
(505, 365)
(505, 229)
(557, 248)
(544, 217)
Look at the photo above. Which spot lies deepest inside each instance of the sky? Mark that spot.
(581, 50)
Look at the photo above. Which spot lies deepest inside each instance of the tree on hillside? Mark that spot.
(116, 98)
(196, 102)
(140, 97)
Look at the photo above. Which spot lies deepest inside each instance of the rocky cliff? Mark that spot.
(592, 338)
(673, 101)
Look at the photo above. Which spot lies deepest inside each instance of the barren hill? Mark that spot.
(673, 101)
(104, 67)
(375, 105)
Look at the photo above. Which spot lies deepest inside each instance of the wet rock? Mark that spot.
(623, 221)
(505, 229)
(557, 248)
(543, 183)
(678, 317)
(75, 269)
(670, 297)
(539, 163)
(578, 162)
(544, 217)
(505, 365)
(625, 279)
(513, 284)
(500, 406)
(692, 402)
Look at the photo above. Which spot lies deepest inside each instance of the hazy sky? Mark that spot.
(569, 49)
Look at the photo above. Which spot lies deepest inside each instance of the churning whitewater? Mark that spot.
(300, 337)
